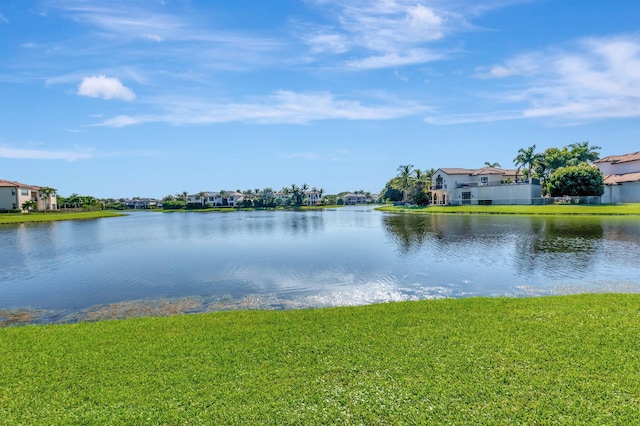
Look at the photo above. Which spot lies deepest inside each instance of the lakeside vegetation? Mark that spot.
(7, 218)
(565, 360)
(554, 209)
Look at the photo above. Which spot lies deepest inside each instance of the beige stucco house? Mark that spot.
(621, 178)
(488, 185)
(14, 194)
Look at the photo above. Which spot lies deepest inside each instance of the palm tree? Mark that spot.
(488, 164)
(526, 158)
(46, 194)
(29, 205)
(405, 180)
(581, 152)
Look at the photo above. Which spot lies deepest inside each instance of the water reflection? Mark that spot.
(303, 259)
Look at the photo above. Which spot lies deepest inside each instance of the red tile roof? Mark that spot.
(634, 156)
(618, 179)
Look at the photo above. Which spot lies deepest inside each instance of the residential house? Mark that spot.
(488, 185)
(313, 198)
(621, 178)
(353, 199)
(217, 199)
(14, 194)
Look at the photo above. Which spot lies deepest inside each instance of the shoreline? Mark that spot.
(627, 210)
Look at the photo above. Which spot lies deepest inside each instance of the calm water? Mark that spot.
(154, 262)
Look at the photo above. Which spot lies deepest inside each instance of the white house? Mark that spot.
(488, 185)
(353, 199)
(14, 194)
(229, 198)
(313, 197)
(621, 178)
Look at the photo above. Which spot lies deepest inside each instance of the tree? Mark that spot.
(202, 196)
(582, 180)
(405, 180)
(46, 193)
(422, 182)
(29, 205)
(526, 159)
(390, 192)
(488, 164)
(581, 152)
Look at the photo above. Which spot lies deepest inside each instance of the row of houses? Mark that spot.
(450, 186)
(14, 194)
(492, 185)
(235, 198)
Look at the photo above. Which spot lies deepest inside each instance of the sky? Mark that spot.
(126, 98)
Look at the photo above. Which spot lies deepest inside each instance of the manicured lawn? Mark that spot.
(551, 360)
(54, 216)
(557, 209)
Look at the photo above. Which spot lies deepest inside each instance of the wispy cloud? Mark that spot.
(279, 107)
(40, 154)
(384, 33)
(592, 78)
(3, 19)
(105, 87)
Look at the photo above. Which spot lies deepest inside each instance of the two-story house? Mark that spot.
(14, 194)
(621, 178)
(488, 185)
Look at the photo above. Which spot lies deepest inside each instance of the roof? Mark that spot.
(13, 184)
(478, 172)
(618, 179)
(634, 156)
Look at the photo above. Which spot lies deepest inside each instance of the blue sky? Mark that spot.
(149, 98)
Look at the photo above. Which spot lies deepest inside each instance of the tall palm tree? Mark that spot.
(202, 196)
(488, 164)
(47, 193)
(526, 159)
(581, 152)
(405, 180)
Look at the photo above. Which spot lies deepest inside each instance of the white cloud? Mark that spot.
(416, 56)
(279, 107)
(589, 79)
(105, 87)
(3, 19)
(38, 154)
(385, 33)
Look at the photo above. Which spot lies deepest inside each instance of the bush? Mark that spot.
(173, 205)
(576, 181)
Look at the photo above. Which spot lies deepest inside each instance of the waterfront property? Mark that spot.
(488, 185)
(14, 194)
(353, 199)
(621, 178)
(216, 199)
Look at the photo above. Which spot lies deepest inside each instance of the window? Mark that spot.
(24, 191)
(484, 179)
(13, 191)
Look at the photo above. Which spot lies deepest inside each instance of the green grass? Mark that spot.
(552, 360)
(54, 216)
(558, 209)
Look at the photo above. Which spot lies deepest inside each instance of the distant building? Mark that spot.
(353, 199)
(621, 178)
(216, 199)
(488, 185)
(14, 194)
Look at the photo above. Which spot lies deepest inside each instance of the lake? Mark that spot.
(154, 263)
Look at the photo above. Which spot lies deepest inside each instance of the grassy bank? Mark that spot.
(560, 360)
(556, 209)
(54, 216)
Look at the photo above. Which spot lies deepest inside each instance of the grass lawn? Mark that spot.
(556, 209)
(54, 216)
(549, 360)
